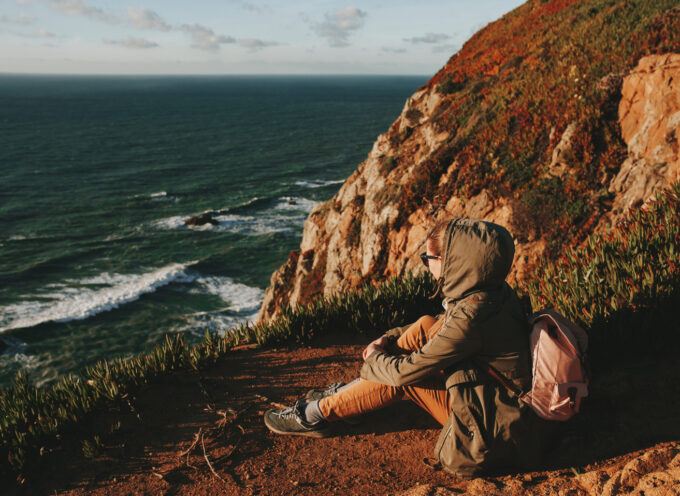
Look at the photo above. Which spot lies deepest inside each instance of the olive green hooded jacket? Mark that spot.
(489, 428)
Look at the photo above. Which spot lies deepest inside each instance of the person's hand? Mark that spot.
(378, 345)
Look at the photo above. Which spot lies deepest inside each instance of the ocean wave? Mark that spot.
(243, 304)
(286, 214)
(292, 203)
(318, 183)
(78, 299)
(240, 224)
(13, 346)
(24, 237)
(162, 196)
(16, 357)
(240, 297)
(246, 205)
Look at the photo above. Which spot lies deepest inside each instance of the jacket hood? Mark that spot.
(476, 256)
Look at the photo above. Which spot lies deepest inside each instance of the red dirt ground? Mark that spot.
(188, 425)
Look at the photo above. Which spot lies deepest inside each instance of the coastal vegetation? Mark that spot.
(511, 93)
(615, 285)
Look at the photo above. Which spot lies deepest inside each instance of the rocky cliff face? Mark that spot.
(649, 114)
(355, 235)
(375, 226)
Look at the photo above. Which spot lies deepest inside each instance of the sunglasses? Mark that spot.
(426, 258)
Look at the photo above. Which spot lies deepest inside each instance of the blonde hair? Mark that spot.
(436, 236)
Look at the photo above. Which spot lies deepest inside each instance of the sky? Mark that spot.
(238, 36)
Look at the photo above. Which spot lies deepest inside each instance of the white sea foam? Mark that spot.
(157, 196)
(291, 203)
(14, 346)
(240, 297)
(287, 216)
(23, 237)
(317, 183)
(16, 354)
(240, 224)
(83, 298)
(243, 303)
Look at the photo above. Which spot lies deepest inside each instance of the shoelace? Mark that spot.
(294, 411)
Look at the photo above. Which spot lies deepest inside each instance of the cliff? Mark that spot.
(555, 121)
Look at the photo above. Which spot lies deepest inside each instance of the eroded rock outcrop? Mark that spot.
(361, 234)
(649, 114)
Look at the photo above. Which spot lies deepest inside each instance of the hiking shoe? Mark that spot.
(317, 394)
(290, 421)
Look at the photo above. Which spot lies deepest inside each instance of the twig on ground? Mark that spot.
(188, 451)
(205, 455)
(265, 399)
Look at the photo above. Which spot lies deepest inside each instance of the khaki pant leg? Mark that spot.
(418, 334)
(431, 395)
(362, 397)
(433, 398)
(366, 396)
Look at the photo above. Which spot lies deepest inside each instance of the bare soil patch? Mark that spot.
(202, 434)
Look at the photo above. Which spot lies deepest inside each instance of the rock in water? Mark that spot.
(200, 220)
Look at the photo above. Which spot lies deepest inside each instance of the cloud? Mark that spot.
(253, 44)
(434, 38)
(252, 7)
(337, 26)
(132, 42)
(449, 48)
(40, 33)
(147, 19)
(205, 38)
(22, 19)
(393, 50)
(79, 7)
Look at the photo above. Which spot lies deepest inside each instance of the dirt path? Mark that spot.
(202, 434)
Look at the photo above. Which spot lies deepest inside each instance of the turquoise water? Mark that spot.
(99, 174)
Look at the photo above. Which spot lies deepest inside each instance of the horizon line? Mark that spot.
(208, 74)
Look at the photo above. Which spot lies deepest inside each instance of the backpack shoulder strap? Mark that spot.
(491, 370)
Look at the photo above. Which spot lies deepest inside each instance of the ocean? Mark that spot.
(100, 173)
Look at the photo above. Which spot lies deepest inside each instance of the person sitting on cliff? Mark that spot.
(432, 362)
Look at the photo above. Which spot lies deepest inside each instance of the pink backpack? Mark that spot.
(559, 377)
